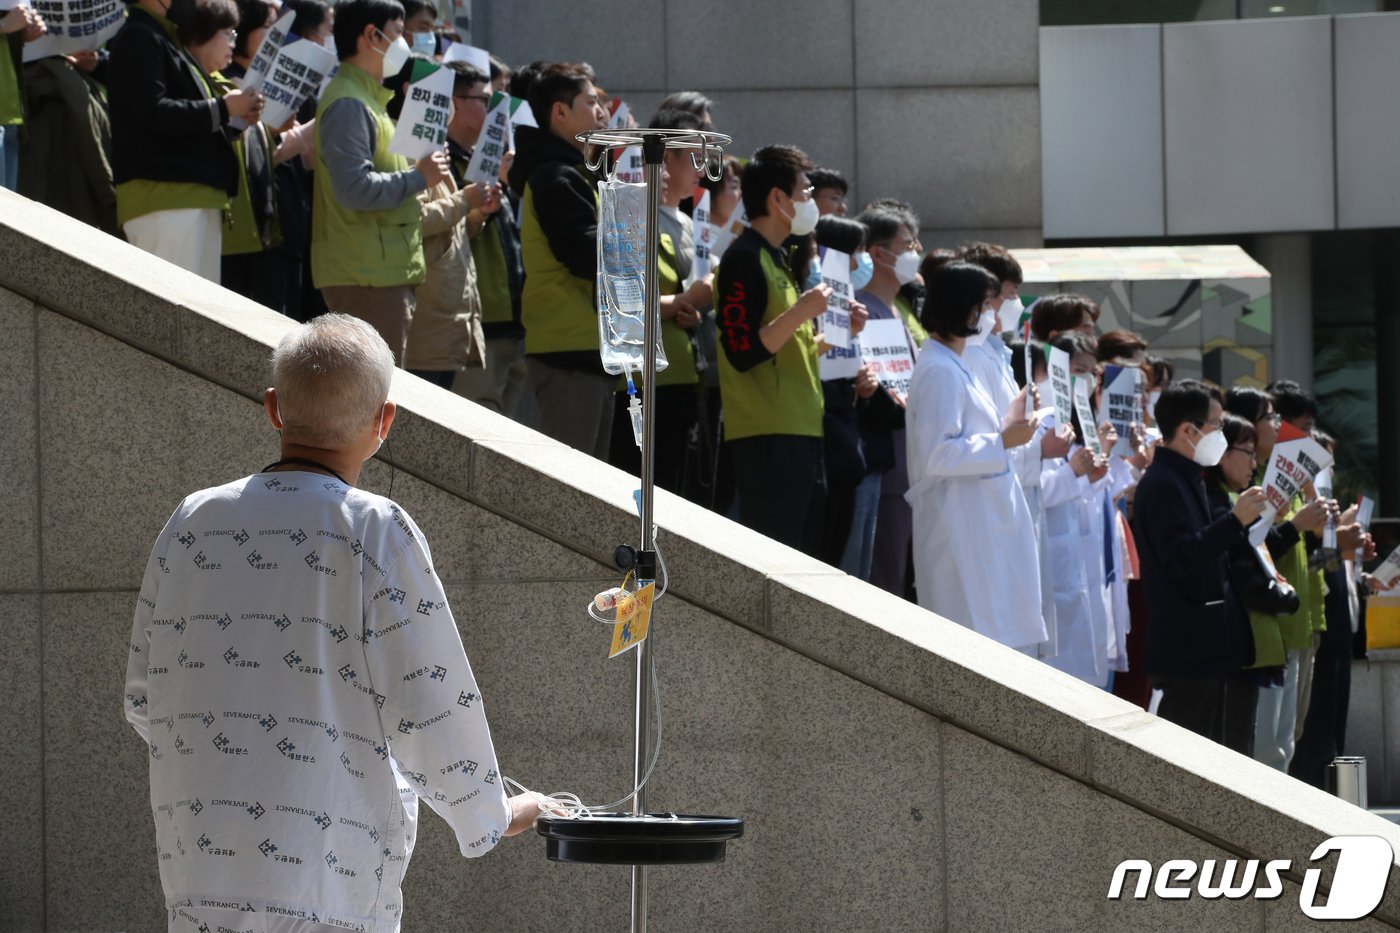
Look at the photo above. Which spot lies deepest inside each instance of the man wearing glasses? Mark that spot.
(502, 383)
(1197, 630)
(768, 372)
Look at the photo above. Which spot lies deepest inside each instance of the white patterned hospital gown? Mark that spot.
(300, 682)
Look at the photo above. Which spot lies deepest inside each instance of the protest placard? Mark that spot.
(1058, 362)
(1389, 569)
(1365, 506)
(1296, 461)
(521, 114)
(298, 71)
(273, 40)
(738, 223)
(630, 167)
(1122, 403)
(840, 362)
(620, 112)
(884, 346)
(1026, 364)
(480, 59)
(836, 319)
(704, 235)
(492, 143)
(427, 106)
(1088, 435)
(73, 25)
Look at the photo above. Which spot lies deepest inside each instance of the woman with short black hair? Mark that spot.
(975, 559)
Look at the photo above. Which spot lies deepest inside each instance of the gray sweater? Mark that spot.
(347, 138)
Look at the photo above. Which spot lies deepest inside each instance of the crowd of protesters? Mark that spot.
(1128, 568)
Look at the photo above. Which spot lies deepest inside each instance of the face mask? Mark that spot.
(814, 276)
(1010, 312)
(1210, 448)
(424, 43)
(865, 268)
(804, 217)
(986, 323)
(906, 267)
(394, 56)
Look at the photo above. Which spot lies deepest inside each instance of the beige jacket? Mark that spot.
(446, 332)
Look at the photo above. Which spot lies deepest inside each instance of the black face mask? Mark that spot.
(180, 12)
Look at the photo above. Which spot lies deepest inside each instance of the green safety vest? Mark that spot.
(781, 395)
(492, 277)
(241, 233)
(680, 352)
(373, 248)
(559, 309)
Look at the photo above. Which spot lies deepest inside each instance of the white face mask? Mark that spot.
(804, 217)
(1210, 448)
(906, 267)
(394, 56)
(1010, 313)
(986, 323)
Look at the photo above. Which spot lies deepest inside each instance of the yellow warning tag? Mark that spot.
(633, 620)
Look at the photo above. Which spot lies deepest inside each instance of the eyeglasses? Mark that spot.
(1245, 450)
(1275, 419)
(1213, 423)
(805, 194)
(232, 35)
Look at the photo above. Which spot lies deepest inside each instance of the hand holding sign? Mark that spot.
(1389, 570)
(1251, 504)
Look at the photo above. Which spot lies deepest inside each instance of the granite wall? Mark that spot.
(937, 104)
(897, 772)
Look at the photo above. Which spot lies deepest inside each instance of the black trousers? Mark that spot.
(780, 480)
(1324, 728)
(265, 277)
(1193, 703)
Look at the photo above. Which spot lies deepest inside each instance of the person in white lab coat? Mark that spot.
(975, 558)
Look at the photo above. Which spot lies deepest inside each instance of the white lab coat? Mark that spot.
(990, 364)
(975, 558)
(1122, 476)
(1077, 573)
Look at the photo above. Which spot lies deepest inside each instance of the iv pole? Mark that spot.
(640, 838)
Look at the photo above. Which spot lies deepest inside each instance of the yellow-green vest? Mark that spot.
(492, 277)
(241, 233)
(558, 309)
(680, 352)
(783, 394)
(372, 248)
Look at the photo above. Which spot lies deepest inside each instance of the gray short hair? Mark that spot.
(332, 377)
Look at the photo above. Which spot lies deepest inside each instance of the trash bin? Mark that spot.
(1346, 778)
